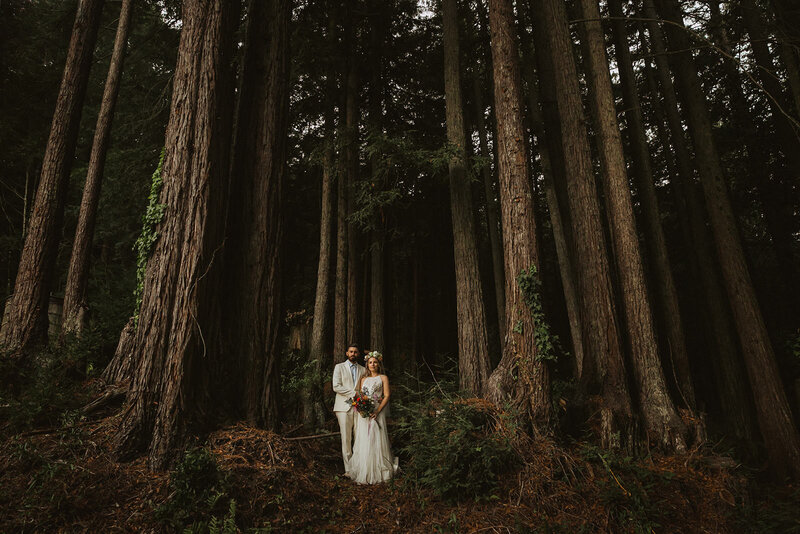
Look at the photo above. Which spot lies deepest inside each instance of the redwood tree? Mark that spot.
(781, 438)
(254, 218)
(473, 350)
(75, 306)
(25, 317)
(179, 320)
(531, 388)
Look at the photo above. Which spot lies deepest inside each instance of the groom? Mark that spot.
(345, 378)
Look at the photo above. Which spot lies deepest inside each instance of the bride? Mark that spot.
(372, 459)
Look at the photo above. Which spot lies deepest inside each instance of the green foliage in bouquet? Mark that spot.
(457, 447)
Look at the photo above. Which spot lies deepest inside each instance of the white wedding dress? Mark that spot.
(372, 461)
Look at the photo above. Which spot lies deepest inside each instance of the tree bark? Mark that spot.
(255, 222)
(661, 418)
(473, 349)
(781, 438)
(603, 368)
(75, 312)
(492, 217)
(531, 389)
(25, 319)
(552, 172)
(732, 387)
(178, 321)
(667, 294)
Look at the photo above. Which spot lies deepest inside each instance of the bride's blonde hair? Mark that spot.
(378, 357)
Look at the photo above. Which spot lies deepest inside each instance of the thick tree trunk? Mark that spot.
(340, 287)
(75, 312)
(492, 217)
(603, 367)
(255, 222)
(732, 387)
(25, 319)
(781, 438)
(377, 340)
(531, 389)
(667, 294)
(473, 349)
(178, 321)
(559, 222)
(661, 418)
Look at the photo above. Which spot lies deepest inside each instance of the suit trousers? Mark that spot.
(346, 424)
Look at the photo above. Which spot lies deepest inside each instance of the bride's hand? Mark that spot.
(373, 415)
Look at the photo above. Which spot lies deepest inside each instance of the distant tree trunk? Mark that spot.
(781, 438)
(354, 266)
(531, 389)
(377, 304)
(777, 194)
(603, 368)
(492, 217)
(733, 390)
(25, 319)
(665, 283)
(473, 349)
(661, 418)
(558, 220)
(75, 306)
(178, 327)
(340, 287)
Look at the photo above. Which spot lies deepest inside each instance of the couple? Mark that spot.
(370, 459)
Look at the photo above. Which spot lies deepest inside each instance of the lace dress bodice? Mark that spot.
(373, 387)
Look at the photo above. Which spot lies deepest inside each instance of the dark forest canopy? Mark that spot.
(589, 208)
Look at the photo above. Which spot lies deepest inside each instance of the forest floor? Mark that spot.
(62, 478)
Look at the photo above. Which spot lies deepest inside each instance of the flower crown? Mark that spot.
(374, 354)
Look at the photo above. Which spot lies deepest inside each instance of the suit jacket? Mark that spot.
(343, 385)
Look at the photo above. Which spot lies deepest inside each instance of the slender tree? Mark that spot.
(473, 350)
(75, 306)
(661, 418)
(520, 356)
(781, 438)
(25, 318)
(667, 293)
(558, 217)
(727, 370)
(603, 367)
(179, 321)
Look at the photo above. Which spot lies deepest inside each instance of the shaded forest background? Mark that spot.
(592, 226)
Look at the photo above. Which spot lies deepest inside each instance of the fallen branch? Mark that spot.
(299, 438)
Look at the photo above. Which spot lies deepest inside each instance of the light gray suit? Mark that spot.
(345, 389)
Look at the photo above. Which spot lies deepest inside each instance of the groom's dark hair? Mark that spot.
(353, 345)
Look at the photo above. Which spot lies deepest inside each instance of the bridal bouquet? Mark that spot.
(363, 404)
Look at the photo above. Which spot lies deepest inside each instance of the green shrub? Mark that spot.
(198, 496)
(457, 447)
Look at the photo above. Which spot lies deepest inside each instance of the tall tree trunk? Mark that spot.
(340, 287)
(667, 294)
(603, 368)
(492, 217)
(25, 319)
(661, 418)
(558, 220)
(731, 384)
(255, 225)
(74, 315)
(178, 321)
(781, 438)
(354, 266)
(379, 29)
(531, 389)
(473, 349)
